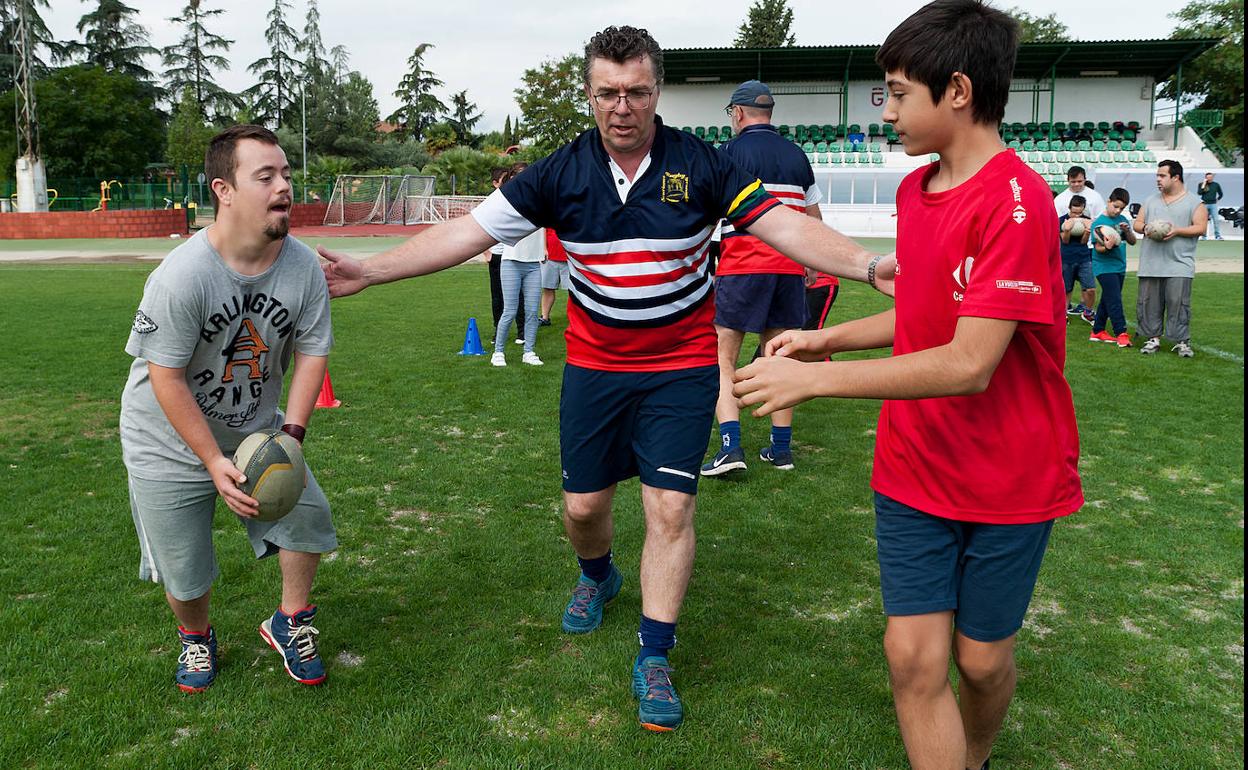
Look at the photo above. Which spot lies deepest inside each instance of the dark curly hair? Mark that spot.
(619, 44)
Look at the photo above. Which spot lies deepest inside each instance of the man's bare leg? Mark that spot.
(986, 687)
(298, 572)
(667, 558)
(917, 648)
(587, 521)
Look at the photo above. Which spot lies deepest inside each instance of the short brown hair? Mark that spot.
(619, 44)
(221, 160)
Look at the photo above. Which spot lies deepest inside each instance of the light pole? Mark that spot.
(303, 104)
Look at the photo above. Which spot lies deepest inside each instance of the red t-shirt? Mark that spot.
(985, 249)
(554, 247)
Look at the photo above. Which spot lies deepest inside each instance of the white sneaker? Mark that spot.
(1184, 350)
(498, 359)
(531, 359)
(1150, 347)
(520, 340)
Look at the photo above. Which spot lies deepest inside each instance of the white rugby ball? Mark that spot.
(1108, 236)
(1157, 229)
(1077, 228)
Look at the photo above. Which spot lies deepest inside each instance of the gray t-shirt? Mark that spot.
(1175, 258)
(236, 336)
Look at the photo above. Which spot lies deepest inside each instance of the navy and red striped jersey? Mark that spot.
(640, 297)
(787, 175)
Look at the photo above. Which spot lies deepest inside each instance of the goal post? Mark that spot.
(392, 199)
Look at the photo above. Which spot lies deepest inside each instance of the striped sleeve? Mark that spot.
(750, 203)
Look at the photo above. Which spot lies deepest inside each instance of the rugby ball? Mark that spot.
(1108, 236)
(1077, 228)
(276, 475)
(1157, 230)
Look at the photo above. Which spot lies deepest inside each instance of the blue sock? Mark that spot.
(730, 434)
(597, 569)
(656, 638)
(781, 438)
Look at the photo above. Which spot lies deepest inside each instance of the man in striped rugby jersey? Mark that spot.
(634, 204)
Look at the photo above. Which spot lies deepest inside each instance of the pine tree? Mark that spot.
(768, 25)
(274, 94)
(418, 108)
(310, 47)
(340, 63)
(508, 138)
(189, 62)
(462, 118)
(44, 50)
(113, 40)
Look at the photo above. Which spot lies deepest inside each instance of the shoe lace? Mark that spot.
(196, 657)
(304, 640)
(659, 683)
(582, 595)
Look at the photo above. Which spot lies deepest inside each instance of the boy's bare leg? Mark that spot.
(298, 571)
(192, 615)
(988, 676)
(917, 648)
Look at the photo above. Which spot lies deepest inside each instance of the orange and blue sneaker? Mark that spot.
(197, 665)
(584, 611)
(659, 708)
(294, 637)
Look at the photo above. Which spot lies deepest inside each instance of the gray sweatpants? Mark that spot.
(1171, 297)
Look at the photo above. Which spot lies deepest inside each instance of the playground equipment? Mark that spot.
(106, 189)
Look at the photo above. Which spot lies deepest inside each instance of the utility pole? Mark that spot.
(32, 180)
(303, 104)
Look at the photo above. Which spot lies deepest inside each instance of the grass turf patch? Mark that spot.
(439, 615)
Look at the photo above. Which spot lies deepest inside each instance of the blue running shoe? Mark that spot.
(197, 665)
(725, 461)
(659, 708)
(584, 611)
(782, 460)
(295, 638)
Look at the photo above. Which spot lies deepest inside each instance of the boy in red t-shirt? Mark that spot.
(977, 448)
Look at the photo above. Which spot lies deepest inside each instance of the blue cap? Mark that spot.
(752, 93)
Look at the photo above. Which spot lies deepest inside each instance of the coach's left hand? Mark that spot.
(773, 383)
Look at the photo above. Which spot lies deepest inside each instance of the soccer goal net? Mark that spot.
(377, 200)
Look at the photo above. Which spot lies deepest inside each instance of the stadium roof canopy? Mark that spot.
(1110, 58)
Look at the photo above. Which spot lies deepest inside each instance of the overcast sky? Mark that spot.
(485, 45)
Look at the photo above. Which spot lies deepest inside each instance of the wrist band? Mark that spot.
(295, 431)
(871, 269)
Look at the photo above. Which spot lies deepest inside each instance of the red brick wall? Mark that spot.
(94, 224)
(308, 214)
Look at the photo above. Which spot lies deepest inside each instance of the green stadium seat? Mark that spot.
(725, 132)
(1031, 128)
(810, 158)
(1120, 157)
(1085, 145)
(1115, 136)
(876, 148)
(1062, 157)
(783, 128)
(873, 129)
(821, 147)
(1134, 157)
(1111, 144)
(1099, 136)
(1103, 126)
(1098, 145)
(1049, 157)
(712, 132)
(1069, 145)
(1029, 145)
(1141, 145)
(854, 128)
(699, 132)
(1017, 128)
(1046, 127)
(1015, 145)
(1042, 145)
(687, 129)
(1149, 157)
(834, 158)
(877, 158)
(808, 147)
(1128, 135)
(1108, 157)
(1076, 157)
(1089, 125)
(1133, 125)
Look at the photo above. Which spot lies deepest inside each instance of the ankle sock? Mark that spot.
(597, 569)
(730, 434)
(781, 438)
(656, 638)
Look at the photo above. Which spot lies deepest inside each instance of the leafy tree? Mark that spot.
(276, 92)
(44, 50)
(189, 62)
(440, 137)
(463, 117)
(112, 39)
(1217, 75)
(1039, 29)
(552, 103)
(344, 122)
(470, 168)
(418, 107)
(93, 123)
(767, 25)
(188, 134)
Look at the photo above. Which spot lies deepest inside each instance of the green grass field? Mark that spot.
(439, 615)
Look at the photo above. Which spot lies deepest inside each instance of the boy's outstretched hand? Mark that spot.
(343, 273)
(804, 345)
(774, 383)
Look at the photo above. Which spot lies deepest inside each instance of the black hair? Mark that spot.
(1075, 171)
(619, 44)
(948, 36)
(1174, 167)
(1078, 200)
(1121, 194)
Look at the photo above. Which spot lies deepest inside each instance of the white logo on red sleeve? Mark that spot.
(962, 276)
(1022, 287)
(1020, 213)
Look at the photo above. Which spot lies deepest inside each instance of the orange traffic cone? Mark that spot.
(326, 400)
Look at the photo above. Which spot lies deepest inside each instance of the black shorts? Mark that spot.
(752, 303)
(616, 425)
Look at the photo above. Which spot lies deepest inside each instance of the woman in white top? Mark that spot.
(521, 274)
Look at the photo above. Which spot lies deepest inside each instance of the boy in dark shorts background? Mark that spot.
(1077, 257)
(977, 448)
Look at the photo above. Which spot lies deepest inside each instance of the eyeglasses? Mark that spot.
(636, 100)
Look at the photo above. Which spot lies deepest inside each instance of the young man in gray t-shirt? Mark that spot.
(1167, 266)
(220, 322)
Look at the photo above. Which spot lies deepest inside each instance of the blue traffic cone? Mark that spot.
(472, 340)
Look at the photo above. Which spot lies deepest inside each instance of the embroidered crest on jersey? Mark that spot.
(675, 188)
(143, 324)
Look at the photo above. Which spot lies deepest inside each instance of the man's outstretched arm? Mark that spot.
(814, 244)
(429, 251)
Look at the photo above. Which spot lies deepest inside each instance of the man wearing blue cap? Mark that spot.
(758, 289)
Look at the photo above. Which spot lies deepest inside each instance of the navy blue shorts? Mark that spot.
(1078, 268)
(616, 425)
(752, 303)
(985, 573)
